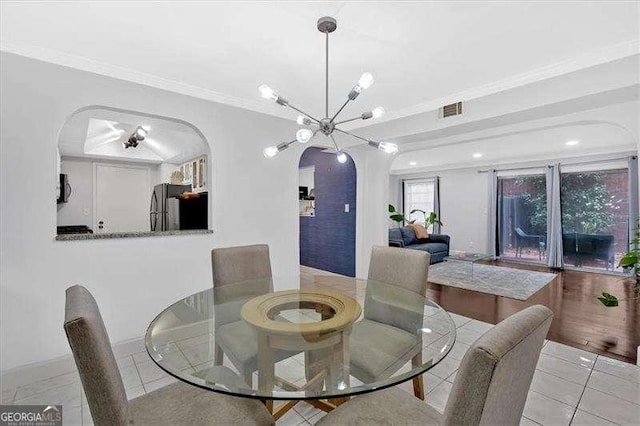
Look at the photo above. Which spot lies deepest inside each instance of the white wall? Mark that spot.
(80, 176)
(37, 98)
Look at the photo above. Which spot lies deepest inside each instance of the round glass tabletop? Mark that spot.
(334, 337)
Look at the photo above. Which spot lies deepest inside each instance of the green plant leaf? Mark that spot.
(629, 260)
(608, 300)
(397, 217)
(391, 208)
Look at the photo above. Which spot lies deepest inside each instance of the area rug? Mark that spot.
(497, 280)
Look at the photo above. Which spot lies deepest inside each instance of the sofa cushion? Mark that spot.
(431, 247)
(408, 236)
(395, 234)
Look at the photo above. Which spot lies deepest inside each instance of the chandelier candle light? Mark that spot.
(328, 124)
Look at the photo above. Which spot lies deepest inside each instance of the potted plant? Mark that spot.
(630, 262)
(400, 218)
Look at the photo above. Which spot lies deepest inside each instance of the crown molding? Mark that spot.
(127, 74)
(600, 56)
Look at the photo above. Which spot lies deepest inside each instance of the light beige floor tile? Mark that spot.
(577, 356)
(290, 370)
(429, 337)
(564, 369)
(174, 359)
(452, 378)
(129, 347)
(87, 420)
(445, 368)
(624, 389)
(8, 396)
(40, 386)
(466, 336)
(22, 376)
(547, 411)
(430, 383)
(478, 326)
(72, 416)
(437, 325)
(291, 418)
(129, 373)
(582, 418)
(160, 383)
(459, 350)
(133, 393)
(527, 422)
(199, 354)
(67, 395)
(621, 369)
(150, 372)
(609, 407)
(437, 398)
(317, 417)
(194, 341)
(459, 320)
(556, 388)
(306, 410)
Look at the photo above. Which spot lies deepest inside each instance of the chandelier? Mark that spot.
(327, 125)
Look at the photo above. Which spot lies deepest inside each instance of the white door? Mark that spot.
(121, 198)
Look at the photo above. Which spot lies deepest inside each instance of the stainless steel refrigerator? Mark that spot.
(164, 214)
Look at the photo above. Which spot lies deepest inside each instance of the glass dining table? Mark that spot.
(323, 340)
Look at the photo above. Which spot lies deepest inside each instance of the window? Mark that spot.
(418, 194)
(595, 217)
(522, 217)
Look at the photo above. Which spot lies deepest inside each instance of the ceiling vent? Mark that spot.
(451, 110)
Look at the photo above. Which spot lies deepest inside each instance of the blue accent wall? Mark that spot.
(328, 239)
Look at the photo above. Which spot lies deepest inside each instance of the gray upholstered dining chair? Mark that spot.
(175, 404)
(391, 321)
(490, 388)
(239, 274)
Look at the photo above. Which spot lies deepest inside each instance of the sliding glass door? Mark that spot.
(522, 217)
(595, 217)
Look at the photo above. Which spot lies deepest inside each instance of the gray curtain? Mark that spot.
(493, 213)
(633, 195)
(436, 204)
(554, 218)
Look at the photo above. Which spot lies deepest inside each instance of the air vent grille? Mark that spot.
(451, 110)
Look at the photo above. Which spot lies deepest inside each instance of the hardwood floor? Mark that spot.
(580, 319)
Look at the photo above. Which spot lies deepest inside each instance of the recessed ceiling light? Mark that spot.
(572, 143)
(412, 163)
(477, 155)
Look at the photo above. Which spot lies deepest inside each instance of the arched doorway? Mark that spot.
(327, 196)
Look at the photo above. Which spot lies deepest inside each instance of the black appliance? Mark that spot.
(74, 229)
(303, 192)
(194, 212)
(65, 189)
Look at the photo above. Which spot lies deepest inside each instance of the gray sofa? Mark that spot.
(436, 245)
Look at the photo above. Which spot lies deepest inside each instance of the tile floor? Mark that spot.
(570, 386)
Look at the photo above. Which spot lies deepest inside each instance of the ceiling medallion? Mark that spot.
(327, 125)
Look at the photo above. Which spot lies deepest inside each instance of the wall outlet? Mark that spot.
(346, 208)
(86, 211)
(470, 244)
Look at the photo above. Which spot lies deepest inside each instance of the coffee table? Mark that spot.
(469, 258)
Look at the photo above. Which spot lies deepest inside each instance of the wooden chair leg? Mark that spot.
(418, 387)
(418, 382)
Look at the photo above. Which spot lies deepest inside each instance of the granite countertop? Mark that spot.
(75, 237)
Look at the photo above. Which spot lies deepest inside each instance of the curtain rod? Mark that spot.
(604, 160)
